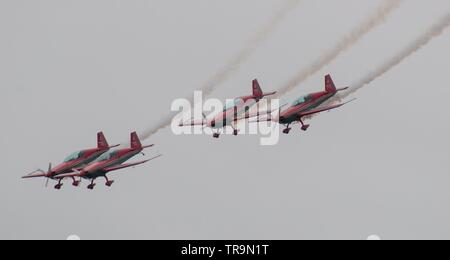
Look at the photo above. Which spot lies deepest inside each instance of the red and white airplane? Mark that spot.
(307, 106)
(233, 112)
(74, 161)
(108, 162)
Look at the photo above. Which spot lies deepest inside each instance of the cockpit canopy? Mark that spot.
(232, 104)
(302, 100)
(74, 156)
(107, 156)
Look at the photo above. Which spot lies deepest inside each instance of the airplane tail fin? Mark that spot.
(257, 91)
(101, 141)
(135, 142)
(329, 84)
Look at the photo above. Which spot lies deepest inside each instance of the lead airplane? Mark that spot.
(108, 162)
(75, 160)
(307, 106)
(236, 110)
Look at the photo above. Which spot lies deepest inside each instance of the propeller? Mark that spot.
(204, 118)
(205, 121)
(48, 172)
(280, 110)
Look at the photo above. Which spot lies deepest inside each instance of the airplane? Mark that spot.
(76, 160)
(108, 162)
(236, 110)
(307, 106)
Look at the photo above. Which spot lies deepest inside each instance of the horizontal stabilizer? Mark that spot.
(194, 122)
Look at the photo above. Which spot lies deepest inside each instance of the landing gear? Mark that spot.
(92, 185)
(217, 134)
(234, 126)
(109, 183)
(304, 127)
(59, 185)
(75, 183)
(287, 130)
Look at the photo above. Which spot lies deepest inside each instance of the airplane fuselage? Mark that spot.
(238, 109)
(97, 169)
(312, 101)
(87, 157)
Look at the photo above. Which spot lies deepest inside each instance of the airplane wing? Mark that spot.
(258, 114)
(76, 173)
(68, 175)
(320, 110)
(127, 165)
(265, 118)
(194, 123)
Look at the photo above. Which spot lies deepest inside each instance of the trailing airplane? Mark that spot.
(76, 160)
(108, 162)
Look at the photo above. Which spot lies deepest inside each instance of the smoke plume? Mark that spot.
(436, 30)
(375, 19)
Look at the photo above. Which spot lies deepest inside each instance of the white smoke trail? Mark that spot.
(233, 65)
(435, 31)
(248, 50)
(375, 19)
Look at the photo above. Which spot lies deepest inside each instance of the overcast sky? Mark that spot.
(71, 68)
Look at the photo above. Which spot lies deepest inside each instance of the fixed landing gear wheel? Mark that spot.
(305, 127)
(76, 183)
(235, 132)
(58, 186)
(216, 135)
(91, 186)
(287, 130)
(109, 183)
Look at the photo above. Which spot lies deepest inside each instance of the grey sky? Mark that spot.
(71, 68)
